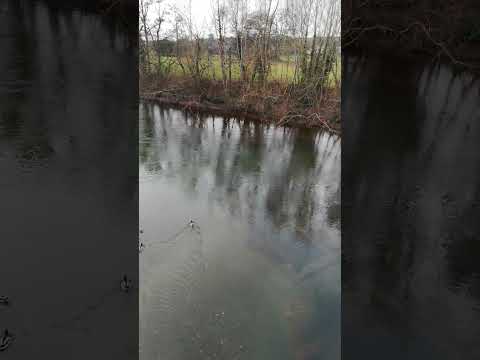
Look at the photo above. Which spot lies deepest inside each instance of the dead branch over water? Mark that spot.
(277, 60)
(445, 29)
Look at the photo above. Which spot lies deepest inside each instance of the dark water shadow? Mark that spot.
(68, 183)
(410, 210)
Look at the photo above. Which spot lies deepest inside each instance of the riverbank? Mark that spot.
(415, 29)
(119, 14)
(275, 103)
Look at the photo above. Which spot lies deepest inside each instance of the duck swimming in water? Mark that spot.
(4, 300)
(126, 284)
(193, 225)
(6, 340)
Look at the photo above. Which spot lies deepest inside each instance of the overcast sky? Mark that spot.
(201, 12)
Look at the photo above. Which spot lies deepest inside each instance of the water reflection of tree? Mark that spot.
(55, 111)
(408, 239)
(294, 184)
(49, 101)
(249, 163)
(29, 132)
(282, 181)
(146, 128)
(66, 152)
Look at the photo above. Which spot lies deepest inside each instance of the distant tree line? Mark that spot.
(247, 34)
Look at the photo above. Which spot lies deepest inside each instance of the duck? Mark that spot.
(6, 340)
(194, 226)
(4, 300)
(125, 284)
(142, 247)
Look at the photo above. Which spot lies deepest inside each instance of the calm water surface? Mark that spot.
(410, 211)
(260, 278)
(68, 184)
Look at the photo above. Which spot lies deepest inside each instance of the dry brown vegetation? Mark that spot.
(443, 28)
(276, 102)
(247, 38)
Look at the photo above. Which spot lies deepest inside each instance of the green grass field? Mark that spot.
(281, 70)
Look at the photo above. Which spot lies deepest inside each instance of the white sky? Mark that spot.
(201, 11)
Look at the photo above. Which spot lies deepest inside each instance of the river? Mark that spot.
(258, 275)
(68, 183)
(410, 210)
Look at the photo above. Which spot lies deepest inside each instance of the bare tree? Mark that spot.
(295, 41)
(262, 21)
(144, 31)
(238, 17)
(219, 11)
(163, 63)
(189, 50)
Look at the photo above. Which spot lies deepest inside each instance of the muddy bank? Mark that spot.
(193, 104)
(443, 28)
(271, 105)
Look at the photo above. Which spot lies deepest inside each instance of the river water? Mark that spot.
(258, 276)
(68, 184)
(410, 210)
